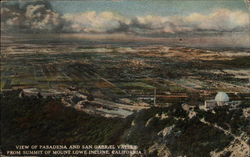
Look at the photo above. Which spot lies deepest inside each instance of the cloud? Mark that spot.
(94, 22)
(40, 17)
(10, 17)
(160, 24)
(37, 16)
(218, 20)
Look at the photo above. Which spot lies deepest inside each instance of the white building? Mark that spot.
(221, 98)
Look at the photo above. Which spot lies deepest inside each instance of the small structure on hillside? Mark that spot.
(40, 93)
(221, 99)
(210, 104)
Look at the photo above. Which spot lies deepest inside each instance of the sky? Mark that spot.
(144, 17)
(146, 7)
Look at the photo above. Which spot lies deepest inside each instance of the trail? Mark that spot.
(238, 149)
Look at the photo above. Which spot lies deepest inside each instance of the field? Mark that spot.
(113, 70)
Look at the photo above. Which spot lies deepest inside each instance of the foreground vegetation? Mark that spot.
(188, 137)
(37, 120)
(31, 120)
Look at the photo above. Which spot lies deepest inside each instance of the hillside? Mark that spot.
(169, 131)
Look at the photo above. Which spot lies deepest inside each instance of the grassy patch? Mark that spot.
(135, 85)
